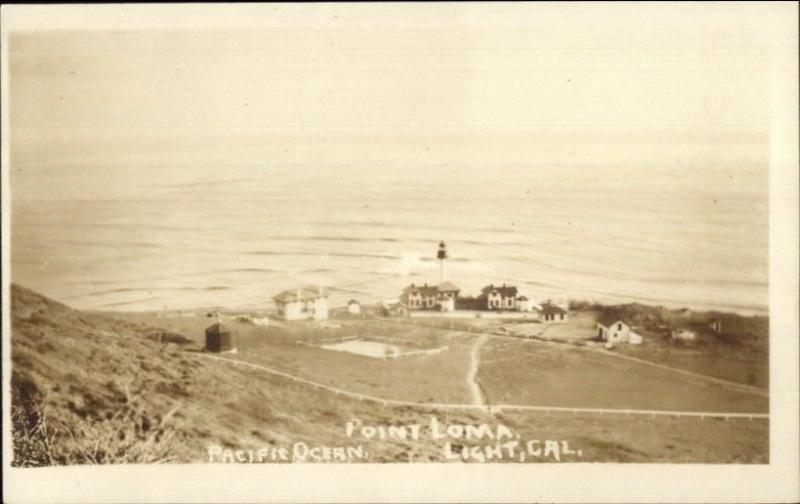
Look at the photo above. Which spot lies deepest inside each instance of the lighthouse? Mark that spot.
(442, 256)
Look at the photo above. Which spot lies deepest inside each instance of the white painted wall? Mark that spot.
(494, 301)
(684, 334)
(448, 304)
(619, 332)
(316, 309)
(319, 308)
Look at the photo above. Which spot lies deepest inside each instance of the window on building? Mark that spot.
(619, 326)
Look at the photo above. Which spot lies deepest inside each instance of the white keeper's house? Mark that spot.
(302, 304)
(504, 298)
(500, 297)
(441, 297)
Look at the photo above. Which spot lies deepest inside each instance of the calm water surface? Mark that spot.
(235, 240)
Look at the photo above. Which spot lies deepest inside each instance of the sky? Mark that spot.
(389, 88)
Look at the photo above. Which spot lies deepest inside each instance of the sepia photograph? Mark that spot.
(244, 237)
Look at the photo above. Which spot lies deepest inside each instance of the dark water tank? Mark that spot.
(218, 338)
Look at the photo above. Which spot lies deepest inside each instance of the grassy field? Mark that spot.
(512, 370)
(739, 353)
(531, 372)
(290, 348)
(95, 388)
(745, 364)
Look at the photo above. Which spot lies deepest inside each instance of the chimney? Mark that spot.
(320, 290)
(298, 294)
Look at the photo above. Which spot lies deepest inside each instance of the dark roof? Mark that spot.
(352, 301)
(609, 319)
(447, 287)
(425, 290)
(551, 308)
(522, 298)
(305, 294)
(504, 290)
(218, 328)
(431, 290)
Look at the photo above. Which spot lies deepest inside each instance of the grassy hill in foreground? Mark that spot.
(91, 389)
(88, 388)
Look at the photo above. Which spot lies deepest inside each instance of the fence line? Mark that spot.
(314, 343)
(489, 408)
(740, 387)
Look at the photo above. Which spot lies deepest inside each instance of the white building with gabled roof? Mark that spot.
(302, 304)
(612, 330)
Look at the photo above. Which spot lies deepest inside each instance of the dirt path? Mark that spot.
(475, 391)
(498, 407)
(739, 387)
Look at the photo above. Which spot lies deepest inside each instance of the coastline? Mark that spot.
(141, 363)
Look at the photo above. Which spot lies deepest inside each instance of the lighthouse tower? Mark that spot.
(442, 256)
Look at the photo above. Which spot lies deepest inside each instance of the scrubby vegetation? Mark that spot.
(128, 435)
(738, 352)
(92, 388)
(658, 322)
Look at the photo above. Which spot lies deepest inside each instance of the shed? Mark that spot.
(612, 329)
(683, 334)
(219, 338)
(550, 312)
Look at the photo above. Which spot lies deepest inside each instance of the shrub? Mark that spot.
(126, 436)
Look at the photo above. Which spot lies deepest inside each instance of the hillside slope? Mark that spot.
(88, 388)
(91, 389)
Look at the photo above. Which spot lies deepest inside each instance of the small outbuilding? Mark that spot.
(219, 338)
(524, 304)
(716, 325)
(550, 313)
(613, 330)
(683, 334)
(393, 309)
(261, 321)
(354, 307)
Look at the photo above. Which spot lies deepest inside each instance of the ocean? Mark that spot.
(233, 238)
